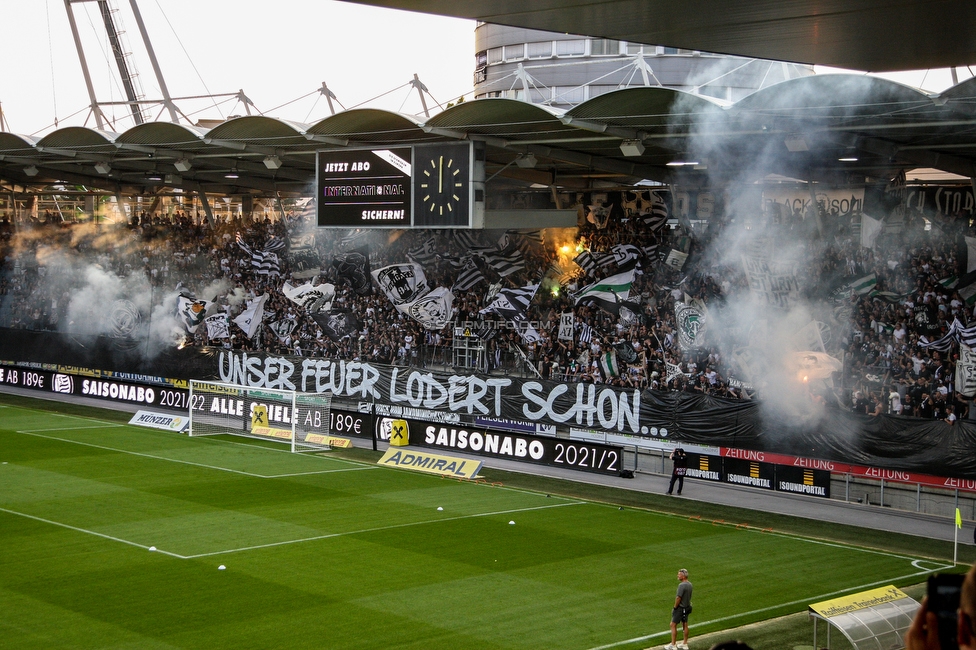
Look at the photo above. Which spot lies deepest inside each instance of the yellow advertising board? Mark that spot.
(271, 432)
(332, 441)
(399, 433)
(862, 600)
(423, 461)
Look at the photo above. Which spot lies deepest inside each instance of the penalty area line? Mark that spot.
(88, 532)
(380, 529)
(733, 617)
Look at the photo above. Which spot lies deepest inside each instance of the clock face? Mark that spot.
(442, 179)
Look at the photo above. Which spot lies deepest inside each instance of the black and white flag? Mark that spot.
(353, 266)
(191, 312)
(512, 304)
(566, 321)
(469, 276)
(311, 298)
(250, 319)
(402, 283)
(218, 326)
(433, 310)
(423, 253)
(504, 262)
(283, 328)
(338, 323)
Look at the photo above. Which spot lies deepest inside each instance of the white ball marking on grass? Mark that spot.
(439, 508)
(221, 567)
(152, 548)
(511, 523)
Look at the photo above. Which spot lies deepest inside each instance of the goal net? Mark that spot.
(299, 419)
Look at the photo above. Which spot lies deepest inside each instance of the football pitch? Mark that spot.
(113, 536)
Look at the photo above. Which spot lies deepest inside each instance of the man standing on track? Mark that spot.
(680, 613)
(679, 469)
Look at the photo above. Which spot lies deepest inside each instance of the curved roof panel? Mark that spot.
(645, 108)
(504, 118)
(257, 129)
(76, 137)
(370, 125)
(162, 133)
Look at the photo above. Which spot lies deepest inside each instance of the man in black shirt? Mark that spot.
(679, 469)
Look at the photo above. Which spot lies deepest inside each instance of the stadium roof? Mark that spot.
(829, 128)
(872, 35)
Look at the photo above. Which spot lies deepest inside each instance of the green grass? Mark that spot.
(331, 551)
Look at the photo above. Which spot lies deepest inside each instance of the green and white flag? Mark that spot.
(608, 364)
(864, 285)
(608, 292)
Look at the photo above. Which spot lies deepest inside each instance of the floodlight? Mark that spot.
(526, 161)
(272, 162)
(183, 165)
(103, 167)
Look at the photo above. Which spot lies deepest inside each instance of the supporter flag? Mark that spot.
(504, 262)
(264, 261)
(586, 261)
(469, 276)
(566, 326)
(672, 370)
(528, 333)
(870, 229)
(466, 239)
(191, 312)
(250, 319)
(433, 310)
(352, 238)
(585, 333)
(625, 352)
(512, 304)
(337, 324)
(676, 259)
(655, 214)
(423, 253)
(608, 292)
(625, 253)
(690, 319)
(970, 254)
(629, 313)
(527, 241)
(311, 298)
(353, 266)
(218, 326)
(402, 283)
(609, 364)
(864, 285)
(283, 328)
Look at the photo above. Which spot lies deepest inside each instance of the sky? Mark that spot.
(275, 52)
(279, 53)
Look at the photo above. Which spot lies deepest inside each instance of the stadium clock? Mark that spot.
(442, 185)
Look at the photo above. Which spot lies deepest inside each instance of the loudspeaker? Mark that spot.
(626, 473)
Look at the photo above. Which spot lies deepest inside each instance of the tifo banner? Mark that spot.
(774, 284)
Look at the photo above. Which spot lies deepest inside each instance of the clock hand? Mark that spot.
(440, 176)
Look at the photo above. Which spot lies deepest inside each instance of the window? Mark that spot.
(481, 59)
(604, 47)
(635, 48)
(575, 47)
(515, 52)
(568, 95)
(541, 50)
(495, 55)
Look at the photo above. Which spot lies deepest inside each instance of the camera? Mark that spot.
(944, 590)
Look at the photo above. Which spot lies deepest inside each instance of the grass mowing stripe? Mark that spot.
(86, 531)
(725, 619)
(384, 528)
(100, 426)
(174, 460)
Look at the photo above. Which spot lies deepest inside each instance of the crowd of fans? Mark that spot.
(879, 334)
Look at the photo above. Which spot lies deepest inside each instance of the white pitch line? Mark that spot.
(101, 426)
(87, 532)
(771, 607)
(175, 460)
(382, 528)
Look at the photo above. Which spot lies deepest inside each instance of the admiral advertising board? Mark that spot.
(540, 450)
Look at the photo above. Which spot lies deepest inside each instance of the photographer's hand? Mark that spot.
(924, 631)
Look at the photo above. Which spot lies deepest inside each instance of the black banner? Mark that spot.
(750, 473)
(704, 467)
(801, 480)
(540, 450)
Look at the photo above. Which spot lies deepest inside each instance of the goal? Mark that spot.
(299, 419)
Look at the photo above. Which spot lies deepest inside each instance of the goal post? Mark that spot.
(299, 419)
